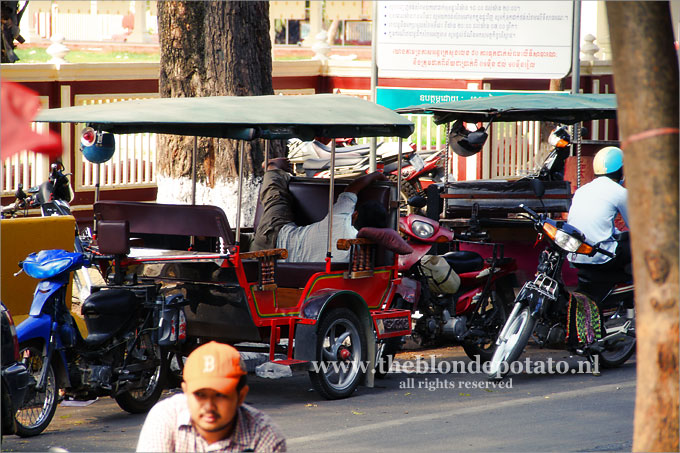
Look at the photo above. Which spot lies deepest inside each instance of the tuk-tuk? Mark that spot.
(488, 208)
(481, 200)
(329, 318)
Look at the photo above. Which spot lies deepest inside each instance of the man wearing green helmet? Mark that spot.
(593, 210)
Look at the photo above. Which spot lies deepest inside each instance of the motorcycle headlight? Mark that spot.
(567, 242)
(422, 229)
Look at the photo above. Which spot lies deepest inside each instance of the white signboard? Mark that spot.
(474, 39)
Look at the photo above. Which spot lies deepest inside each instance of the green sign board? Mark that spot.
(394, 98)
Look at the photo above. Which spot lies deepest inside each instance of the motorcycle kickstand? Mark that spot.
(593, 364)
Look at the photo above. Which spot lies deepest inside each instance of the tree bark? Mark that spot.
(646, 77)
(212, 49)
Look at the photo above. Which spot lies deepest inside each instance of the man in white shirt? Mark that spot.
(306, 243)
(593, 210)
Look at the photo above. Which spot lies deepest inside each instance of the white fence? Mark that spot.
(516, 149)
(357, 31)
(26, 167)
(87, 21)
(91, 27)
(513, 150)
(132, 165)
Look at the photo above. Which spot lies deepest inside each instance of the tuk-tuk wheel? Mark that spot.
(340, 354)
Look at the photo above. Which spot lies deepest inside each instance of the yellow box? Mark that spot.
(20, 237)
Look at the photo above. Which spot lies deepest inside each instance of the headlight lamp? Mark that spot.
(567, 242)
(422, 229)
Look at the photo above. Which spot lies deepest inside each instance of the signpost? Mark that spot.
(469, 40)
(474, 39)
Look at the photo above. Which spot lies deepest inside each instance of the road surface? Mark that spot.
(408, 411)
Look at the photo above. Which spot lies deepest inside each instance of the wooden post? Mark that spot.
(646, 75)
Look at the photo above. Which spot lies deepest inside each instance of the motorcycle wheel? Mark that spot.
(38, 408)
(408, 190)
(493, 319)
(140, 400)
(618, 353)
(510, 347)
(340, 351)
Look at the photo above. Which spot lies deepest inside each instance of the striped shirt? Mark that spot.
(168, 427)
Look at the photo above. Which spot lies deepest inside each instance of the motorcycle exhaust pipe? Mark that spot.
(612, 338)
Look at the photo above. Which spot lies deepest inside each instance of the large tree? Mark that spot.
(646, 77)
(212, 49)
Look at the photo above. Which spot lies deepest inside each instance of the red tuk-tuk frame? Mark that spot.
(332, 319)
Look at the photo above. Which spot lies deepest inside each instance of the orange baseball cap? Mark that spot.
(215, 366)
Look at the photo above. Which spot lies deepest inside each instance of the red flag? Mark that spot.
(19, 106)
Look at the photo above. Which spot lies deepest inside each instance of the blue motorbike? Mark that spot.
(120, 356)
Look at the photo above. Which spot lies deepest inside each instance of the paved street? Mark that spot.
(570, 412)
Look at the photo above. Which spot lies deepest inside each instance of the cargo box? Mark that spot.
(498, 198)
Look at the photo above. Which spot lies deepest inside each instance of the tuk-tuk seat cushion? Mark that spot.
(310, 198)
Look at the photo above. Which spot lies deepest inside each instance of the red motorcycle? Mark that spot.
(472, 314)
(312, 159)
(420, 170)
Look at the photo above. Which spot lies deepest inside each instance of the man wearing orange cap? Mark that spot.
(210, 415)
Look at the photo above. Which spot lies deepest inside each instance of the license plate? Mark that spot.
(417, 162)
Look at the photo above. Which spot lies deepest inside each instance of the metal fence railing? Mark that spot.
(513, 149)
(132, 165)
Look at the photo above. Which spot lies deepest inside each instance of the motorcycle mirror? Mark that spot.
(417, 201)
(20, 194)
(538, 187)
(97, 147)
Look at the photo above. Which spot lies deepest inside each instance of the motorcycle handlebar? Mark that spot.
(599, 249)
(530, 211)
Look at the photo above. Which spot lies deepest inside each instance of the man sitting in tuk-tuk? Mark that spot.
(277, 228)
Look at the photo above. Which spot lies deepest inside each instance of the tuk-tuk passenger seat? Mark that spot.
(169, 225)
(310, 204)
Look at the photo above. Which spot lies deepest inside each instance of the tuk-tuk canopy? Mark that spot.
(241, 117)
(558, 107)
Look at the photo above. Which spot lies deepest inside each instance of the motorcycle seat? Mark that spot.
(345, 160)
(105, 312)
(463, 261)
(599, 275)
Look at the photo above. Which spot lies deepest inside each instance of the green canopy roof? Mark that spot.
(558, 107)
(241, 117)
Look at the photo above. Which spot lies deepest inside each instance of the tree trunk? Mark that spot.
(213, 49)
(646, 77)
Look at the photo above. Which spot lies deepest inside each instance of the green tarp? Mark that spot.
(557, 107)
(241, 117)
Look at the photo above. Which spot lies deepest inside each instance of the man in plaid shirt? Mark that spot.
(210, 415)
